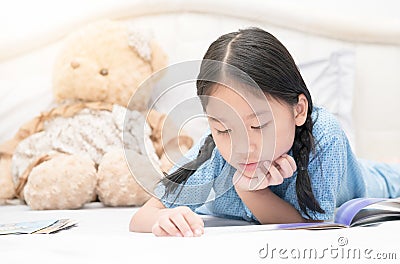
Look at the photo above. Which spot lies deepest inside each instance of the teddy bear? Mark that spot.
(95, 143)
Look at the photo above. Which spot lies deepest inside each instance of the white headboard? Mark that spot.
(358, 40)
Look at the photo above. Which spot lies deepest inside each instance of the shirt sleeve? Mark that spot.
(196, 190)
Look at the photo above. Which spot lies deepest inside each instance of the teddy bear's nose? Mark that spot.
(74, 64)
(104, 72)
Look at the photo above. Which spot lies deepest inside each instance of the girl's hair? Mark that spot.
(268, 63)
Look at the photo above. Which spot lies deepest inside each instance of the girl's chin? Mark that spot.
(250, 174)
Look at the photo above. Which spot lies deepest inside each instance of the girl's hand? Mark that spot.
(179, 221)
(271, 174)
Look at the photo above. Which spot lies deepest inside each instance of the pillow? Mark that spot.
(21, 101)
(330, 81)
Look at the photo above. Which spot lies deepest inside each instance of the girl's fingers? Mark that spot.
(265, 167)
(168, 226)
(180, 222)
(284, 167)
(262, 181)
(255, 183)
(195, 222)
(275, 176)
(291, 161)
(266, 175)
(157, 230)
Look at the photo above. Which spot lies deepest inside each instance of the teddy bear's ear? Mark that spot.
(139, 41)
(158, 57)
(142, 41)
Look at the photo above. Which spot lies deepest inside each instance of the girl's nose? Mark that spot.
(243, 146)
(252, 148)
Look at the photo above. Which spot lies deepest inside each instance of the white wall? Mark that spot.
(31, 31)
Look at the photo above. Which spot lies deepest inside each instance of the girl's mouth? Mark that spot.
(248, 166)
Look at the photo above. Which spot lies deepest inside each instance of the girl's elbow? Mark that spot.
(134, 225)
(143, 219)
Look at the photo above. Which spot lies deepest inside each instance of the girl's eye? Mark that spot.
(259, 127)
(227, 131)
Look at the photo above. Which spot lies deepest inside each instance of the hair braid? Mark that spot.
(302, 147)
(182, 174)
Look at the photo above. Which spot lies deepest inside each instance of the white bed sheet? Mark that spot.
(102, 236)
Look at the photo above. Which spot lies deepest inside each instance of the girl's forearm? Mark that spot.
(269, 208)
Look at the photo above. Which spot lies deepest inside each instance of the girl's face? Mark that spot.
(249, 130)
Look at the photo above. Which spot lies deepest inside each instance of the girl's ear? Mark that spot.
(300, 110)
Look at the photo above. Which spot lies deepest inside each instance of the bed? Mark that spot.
(348, 53)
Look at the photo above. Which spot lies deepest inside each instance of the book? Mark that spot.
(37, 227)
(214, 221)
(368, 211)
(355, 212)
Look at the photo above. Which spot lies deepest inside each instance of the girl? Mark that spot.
(270, 156)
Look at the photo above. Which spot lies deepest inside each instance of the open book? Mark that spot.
(37, 227)
(356, 212)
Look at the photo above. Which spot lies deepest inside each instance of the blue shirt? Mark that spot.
(336, 176)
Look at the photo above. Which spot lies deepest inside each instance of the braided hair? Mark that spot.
(182, 174)
(268, 64)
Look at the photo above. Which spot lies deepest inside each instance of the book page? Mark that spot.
(218, 225)
(214, 221)
(25, 227)
(36, 227)
(61, 224)
(347, 212)
(383, 211)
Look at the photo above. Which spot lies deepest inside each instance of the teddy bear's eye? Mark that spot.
(104, 72)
